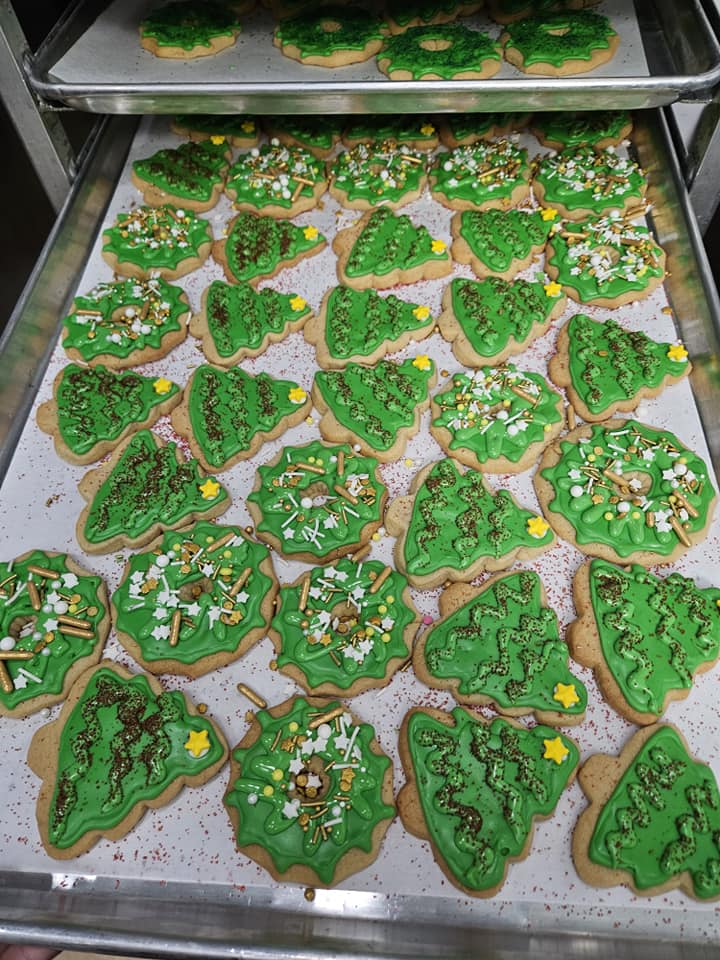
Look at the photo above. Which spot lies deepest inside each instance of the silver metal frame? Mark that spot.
(175, 919)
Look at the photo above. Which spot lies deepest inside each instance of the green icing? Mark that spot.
(192, 171)
(184, 573)
(555, 38)
(389, 242)
(228, 409)
(311, 132)
(456, 522)
(582, 129)
(497, 412)
(526, 8)
(156, 237)
(189, 25)
(378, 172)
(654, 634)
(121, 745)
(498, 237)
(608, 364)
(329, 31)
(476, 126)
(39, 630)
(95, 404)
(274, 175)
(505, 645)
(481, 172)
(358, 322)
(240, 125)
(423, 10)
(637, 513)
(303, 509)
(399, 128)
(147, 486)
(480, 787)
(257, 245)
(581, 178)
(493, 311)
(123, 318)
(662, 819)
(329, 774)
(346, 631)
(605, 257)
(239, 317)
(374, 403)
(413, 51)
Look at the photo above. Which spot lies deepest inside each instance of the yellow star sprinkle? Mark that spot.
(537, 527)
(421, 313)
(422, 362)
(217, 139)
(565, 694)
(555, 750)
(297, 395)
(427, 129)
(548, 213)
(298, 303)
(438, 246)
(197, 743)
(210, 489)
(552, 289)
(162, 386)
(677, 352)
(310, 233)
(247, 126)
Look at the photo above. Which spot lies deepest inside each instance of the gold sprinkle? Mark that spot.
(221, 542)
(255, 698)
(304, 594)
(175, 628)
(341, 463)
(202, 708)
(240, 582)
(5, 680)
(688, 506)
(74, 622)
(380, 579)
(361, 553)
(309, 894)
(326, 718)
(678, 528)
(571, 418)
(16, 654)
(310, 468)
(76, 632)
(34, 595)
(44, 572)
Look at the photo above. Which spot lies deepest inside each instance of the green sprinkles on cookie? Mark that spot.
(194, 28)
(442, 52)
(275, 175)
(166, 241)
(192, 173)
(258, 247)
(547, 43)
(316, 37)
(501, 241)
(582, 179)
(381, 172)
(597, 129)
(494, 173)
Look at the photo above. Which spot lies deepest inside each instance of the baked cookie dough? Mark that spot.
(377, 173)
(238, 129)
(560, 44)
(276, 180)
(446, 52)
(184, 31)
(149, 242)
(597, 129)
(500, 243)
(191, 175)
(485, 175)
(333, 36)
(260, 247)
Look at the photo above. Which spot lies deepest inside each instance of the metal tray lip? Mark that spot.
(43, 916)
(122, 97)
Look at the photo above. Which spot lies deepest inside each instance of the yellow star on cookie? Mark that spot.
(552, 289)
(438, 246)
(421, 313)
(422, 362)
(310, 233)
(537, 527)
(677, 352)
(565, 694)
(210, 489)
(162, 386)
(197, 743)
(427, 129)
(298, 303)
(555, 750)
(247, 126)
(217, 139)
(548, 213)
(297, 395)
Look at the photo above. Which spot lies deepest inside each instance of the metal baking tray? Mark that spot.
(92, 61)
(149, 895)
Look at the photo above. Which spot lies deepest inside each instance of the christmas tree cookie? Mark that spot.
(653, 823)
(599, 129)
(489, 320)
(317, 135)
(144, 487)
(452, 527)
(93, 409)
(379, 407)
(644, 637)
(497, 419)
(361, 326)
(227, 415)
(500, 645)
(120, 746)
(500, 243)
(475, 789)
(237, 321)
(195, 601)
(382, 249)
(259, 247)
(414, 130)
(606, 368)
(191, 175)
(311, 792)
(342, 629)
(239, 130)
(54, 621)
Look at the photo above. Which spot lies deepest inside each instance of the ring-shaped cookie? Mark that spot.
(444, 52)
(626, 492)
(560, 44)
(276, 180)
(481, 176)
(183, 31)
(377, 173)
(330, 37)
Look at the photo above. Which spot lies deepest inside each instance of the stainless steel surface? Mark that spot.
(682, 53)
(702, 163)
(177, 919)
(41, 131)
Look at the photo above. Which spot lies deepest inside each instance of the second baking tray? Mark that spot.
(93, 61)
